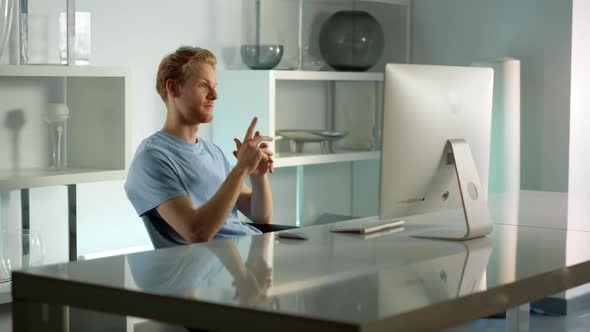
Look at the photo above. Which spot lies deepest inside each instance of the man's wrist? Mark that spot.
(241, 171)
(257, 178)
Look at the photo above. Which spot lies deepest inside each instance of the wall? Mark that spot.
(579, 180)
(538, 32)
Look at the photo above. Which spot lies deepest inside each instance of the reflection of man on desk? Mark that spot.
(194, 268)
(184, 184)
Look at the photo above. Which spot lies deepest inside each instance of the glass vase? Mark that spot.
(19, 250)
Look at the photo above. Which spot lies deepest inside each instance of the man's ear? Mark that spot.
(172, 88)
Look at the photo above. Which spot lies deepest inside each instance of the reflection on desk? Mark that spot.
(196, 272)
(220, 274)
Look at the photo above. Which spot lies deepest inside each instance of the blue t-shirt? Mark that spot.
(165, 167)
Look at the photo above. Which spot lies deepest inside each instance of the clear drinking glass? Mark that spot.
(18, 250)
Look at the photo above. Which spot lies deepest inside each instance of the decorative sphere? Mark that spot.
(351, 40)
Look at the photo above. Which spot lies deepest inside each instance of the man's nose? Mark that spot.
(212, 95)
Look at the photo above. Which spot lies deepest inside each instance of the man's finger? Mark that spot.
(238, 143)
(250, 130)
(270, 164)
(263, 158)
(235, 153)
(267, 152)
(261, 139)
(263, 146)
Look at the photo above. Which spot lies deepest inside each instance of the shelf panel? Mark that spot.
(287, 160)
(391, 2)
(387, 2)
(62, 71)
(30, 178)
(325, 75)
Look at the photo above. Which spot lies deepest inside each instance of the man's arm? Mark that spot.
(251, 285)
(256, 203)
(202, 223)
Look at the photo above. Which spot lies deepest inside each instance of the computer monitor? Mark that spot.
(435, 147)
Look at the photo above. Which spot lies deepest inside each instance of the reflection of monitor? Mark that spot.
(436, 145)
(457, 275)
(460, 271)
(428, 272)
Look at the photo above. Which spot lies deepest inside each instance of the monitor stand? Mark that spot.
(457, 182)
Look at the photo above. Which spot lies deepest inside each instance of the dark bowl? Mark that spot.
(261, 56)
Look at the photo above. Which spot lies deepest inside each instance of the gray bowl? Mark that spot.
(261, 56)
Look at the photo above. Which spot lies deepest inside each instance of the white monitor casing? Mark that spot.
(436, 147)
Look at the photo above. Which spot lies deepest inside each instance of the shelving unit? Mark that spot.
(245, 94)
(248, 93)
(302, 99)
(98, 132)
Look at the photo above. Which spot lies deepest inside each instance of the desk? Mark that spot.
(536, 209)
(330, 282)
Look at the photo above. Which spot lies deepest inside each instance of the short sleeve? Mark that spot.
(151, 181)
(224, 161)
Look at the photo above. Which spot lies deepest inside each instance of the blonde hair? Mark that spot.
(177, 66)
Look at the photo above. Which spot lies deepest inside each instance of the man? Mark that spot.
(184, 184)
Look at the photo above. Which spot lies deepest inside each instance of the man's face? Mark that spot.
(197, 95)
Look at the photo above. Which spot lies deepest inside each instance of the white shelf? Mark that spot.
(5, 294)
(387, 2)
(391, 2)
(287, 160)
(30, 178)
(61, 71)
(294, 75)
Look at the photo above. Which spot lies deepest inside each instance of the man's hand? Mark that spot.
(250, 291)
(252, 153)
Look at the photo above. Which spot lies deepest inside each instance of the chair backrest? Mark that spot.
(158, 240)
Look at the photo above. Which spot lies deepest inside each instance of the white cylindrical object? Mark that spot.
(56, 117)
(504, 173)
(56, 112)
